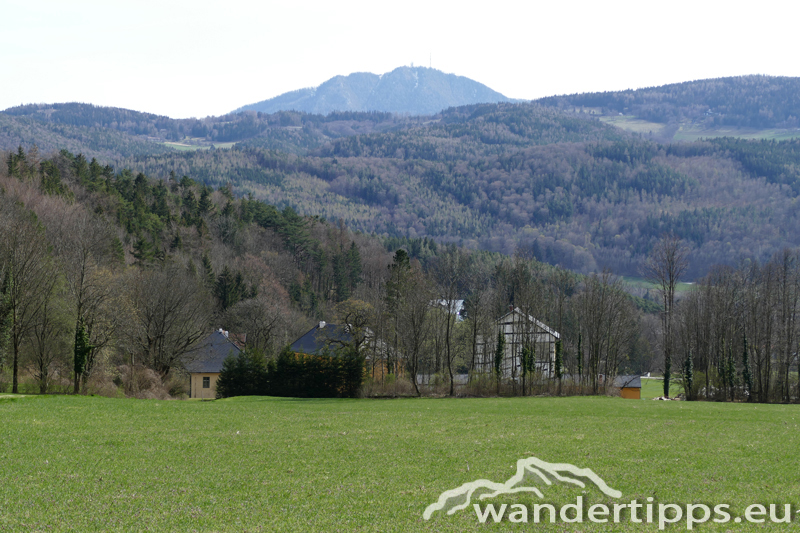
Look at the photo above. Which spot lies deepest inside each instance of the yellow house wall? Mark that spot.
(196, 386)
(630, 393)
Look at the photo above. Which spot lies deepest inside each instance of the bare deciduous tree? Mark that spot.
(172, 313)
(664, 267)
(28, 274)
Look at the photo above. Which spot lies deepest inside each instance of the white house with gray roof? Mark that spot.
(519, 329)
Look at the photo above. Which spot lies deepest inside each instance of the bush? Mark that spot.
(243, 374)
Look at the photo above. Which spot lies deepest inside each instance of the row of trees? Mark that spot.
(415, 331)
(738, 335)
(101, 268)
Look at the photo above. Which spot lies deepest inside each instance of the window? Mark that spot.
(206, 382)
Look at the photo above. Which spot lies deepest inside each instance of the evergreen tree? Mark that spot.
(81, 169)
(143, 251)
(244, 374)
(205, 205)
(354, 265)
(81, 352)
(209, 279)
(340, 281)
(229, 288)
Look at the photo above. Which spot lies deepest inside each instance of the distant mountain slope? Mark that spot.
(100, 142)
(413, 90)
(742, 101)
(464, 132)
(571, 191)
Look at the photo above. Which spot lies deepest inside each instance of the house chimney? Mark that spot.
(321, 324)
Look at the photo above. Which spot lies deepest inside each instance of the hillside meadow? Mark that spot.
(267, 464)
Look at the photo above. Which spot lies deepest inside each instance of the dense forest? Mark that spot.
(109, 278)
(743, 101)
(499, 177)
(114, 133)
(585, 205)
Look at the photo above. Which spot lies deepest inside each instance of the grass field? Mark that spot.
(654, 388)
(693, 133)
(636, 125)
(184, 147)
(644, 284)
(266, 464)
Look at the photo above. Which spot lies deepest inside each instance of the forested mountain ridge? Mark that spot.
(93, 141)
(412, 90)
(575, 192)
(115, 133)
(741, 101)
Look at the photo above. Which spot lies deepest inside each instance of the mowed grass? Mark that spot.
(690, 132)
(267, 464)
(654, 388)
(184, 147)
(636, 125)
(642, 283)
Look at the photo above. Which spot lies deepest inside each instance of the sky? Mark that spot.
(199, 58)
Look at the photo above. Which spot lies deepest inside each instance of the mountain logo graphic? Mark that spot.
(530, 472)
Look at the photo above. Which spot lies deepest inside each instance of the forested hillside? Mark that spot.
(570, 189)
(109, 278)
(115, 133)
(741, 101)
(574, 192)
(93, 141)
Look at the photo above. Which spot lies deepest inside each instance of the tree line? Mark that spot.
(106, 275)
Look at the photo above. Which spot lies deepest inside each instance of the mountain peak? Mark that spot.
(412, 90)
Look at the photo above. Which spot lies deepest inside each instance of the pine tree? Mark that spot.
(205, 205)
(209, 279)
(229, 288)
(143, 251)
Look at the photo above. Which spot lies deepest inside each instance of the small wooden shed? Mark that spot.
(630, 387)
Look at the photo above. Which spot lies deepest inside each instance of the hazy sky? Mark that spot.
(199, 58)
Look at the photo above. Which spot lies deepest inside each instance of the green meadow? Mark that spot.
(641, 283)
(268, 464)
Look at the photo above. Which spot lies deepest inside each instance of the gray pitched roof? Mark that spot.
(318, 339)
(211, 353)
(633, 382)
